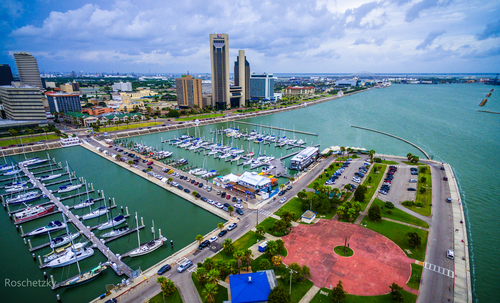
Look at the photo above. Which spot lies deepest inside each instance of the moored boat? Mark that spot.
(11, 172)
(120, 219)
(14, 184)
(33, 212)
(68, 187)
(86, 203)
(16, 189)
(96, 213)
(82, 278)
(63, 240)
(71, 256)
(115, 232)
(49, 177)
(51, 227)
(23, 198)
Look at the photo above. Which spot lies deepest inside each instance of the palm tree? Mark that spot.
(228, 246)
(260, 230)
(247, 256)
(210, 291)
(213, 275)
(220, 226)
(127, 122)
(287, 216)
(46, 129)
(167, 286)
(199, 238)
(341, 211)
(371, 153)
(239, 255)
(351, 212)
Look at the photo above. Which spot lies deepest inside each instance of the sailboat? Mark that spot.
(16, 183)
(69, 187)
(52, 226)
(51, 176)
(89, 202)
(23, 198)
(147, 247)
(16, 188)
(11, 172)
(63, 239)
(73, 254)
(115, 232)
(120, 219)
(100, 211)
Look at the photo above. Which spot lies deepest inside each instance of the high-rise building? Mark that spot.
(5, 75)
(189, 92)
(242, 77)
(262, 86)
(22, 102)
(27, 67)
(219, 61)
(63, 102)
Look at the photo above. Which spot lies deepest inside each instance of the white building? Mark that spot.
(122, 86)
(304, 158)
(255, 181)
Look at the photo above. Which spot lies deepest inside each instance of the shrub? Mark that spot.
(419, 204)
(423, 169)
(422, 190)
(265, 264)
(423, 179)
(407, 203)
(389, 205)
(389, 212)
(377, 160)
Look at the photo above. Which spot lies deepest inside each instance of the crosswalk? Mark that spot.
(439, 269)
(181, 260)
(265, 212)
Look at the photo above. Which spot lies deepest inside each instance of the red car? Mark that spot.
(196, 182)
(228, 197)
(150, 162)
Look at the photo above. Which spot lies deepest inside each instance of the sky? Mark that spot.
(279, 36)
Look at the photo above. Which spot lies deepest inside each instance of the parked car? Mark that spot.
(164, 269)
(281, 193)
(448, 200)
(450, 254)
(239, 212)
(232, 226)
(223, 194)
(203, 244)
(222, 233)
(187, 190)
(445, 178)
(185, 266)
(412, 189)
(213, 239)
(228, 197)
(283, 200)
(413, 181)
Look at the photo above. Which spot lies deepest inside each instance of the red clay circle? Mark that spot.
(377, 263)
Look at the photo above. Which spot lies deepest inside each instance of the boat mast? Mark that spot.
(23, 148)
(138, 237)
(153, 228)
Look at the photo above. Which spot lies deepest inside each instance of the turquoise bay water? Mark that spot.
(442, 119)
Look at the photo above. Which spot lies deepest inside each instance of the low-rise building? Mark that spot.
(304, 158)
(255, 181)
(346, 83)
(122, 86)
(252, 287)
(299, 91)
(97, 111)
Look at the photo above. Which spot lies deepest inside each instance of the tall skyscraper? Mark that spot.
(27, 67)
(219, 61)
(189, 93)
(5, 75)
(242, 77)
(63, 102)
(262, 86)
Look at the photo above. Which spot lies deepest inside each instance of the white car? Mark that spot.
(210, 201)
(356, 180)
(413, 181)
(219, 205)
(283, 200)
(213, 239)
(238, 206)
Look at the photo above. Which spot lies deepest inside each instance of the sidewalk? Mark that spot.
(463, 288)
(310, 294)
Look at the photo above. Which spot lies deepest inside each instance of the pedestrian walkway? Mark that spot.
(404, 223)
(439, 269)
(310, 294)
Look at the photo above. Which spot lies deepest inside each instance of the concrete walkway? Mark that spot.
(310, 294)
(404, 223)
(463, 287)
(365, 212)
(188, 291)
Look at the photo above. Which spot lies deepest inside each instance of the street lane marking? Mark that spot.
(439, 269)
(181, 260)
(265, 212)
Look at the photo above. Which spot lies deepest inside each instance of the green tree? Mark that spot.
(287, 216)
(371, 153)
(374, 213)
(230, 209)
(280, 245)
(359, 194)
(396, 292)
(272, 248)
(167, 286)
(199, 238)
(220, 226)
(422, 190)
(415, 159)
(423, 179)
(281, 226)
(260, 230)
(239, 256)
(279, 295)
(351, 212)
(130, 162)
(201, 274)
(341, 211)
(46, 129)
(247, 257)
(211, 289)
(409, 156)
(264, 264)
(228, 246)
(338, 293)
(13, 132)
(213, 274)
(414, 239)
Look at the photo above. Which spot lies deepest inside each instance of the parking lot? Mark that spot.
(399, 187)
(346, 176)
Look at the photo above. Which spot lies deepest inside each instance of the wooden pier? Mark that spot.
(117, 265)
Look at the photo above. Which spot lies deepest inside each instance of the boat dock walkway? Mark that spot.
(123, 234)
(49, 202)
(119, 266)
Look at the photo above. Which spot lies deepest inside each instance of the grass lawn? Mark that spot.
(319, 298)
(294, 206)
(399, 215)
(398, 234)
(125, 126)
(200, 117)
(28, 139)
(425, 198)
(173, 298)
(299, 289)
(389, 162)
(416, 273)
(281, 270)
(410, 163)
(321, 179)
(247, 240)
(268, 225)
(339, 250)
(220, 297)
(371, 185)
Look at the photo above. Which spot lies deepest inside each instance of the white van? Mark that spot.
(450, 254)
(185, 266)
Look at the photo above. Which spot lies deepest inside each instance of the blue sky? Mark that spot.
(279, 36)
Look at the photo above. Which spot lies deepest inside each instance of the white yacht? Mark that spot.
(52, 226)
(70, 257)
(86, 203)
(68, 187)
(120, 219)
(96, 213)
